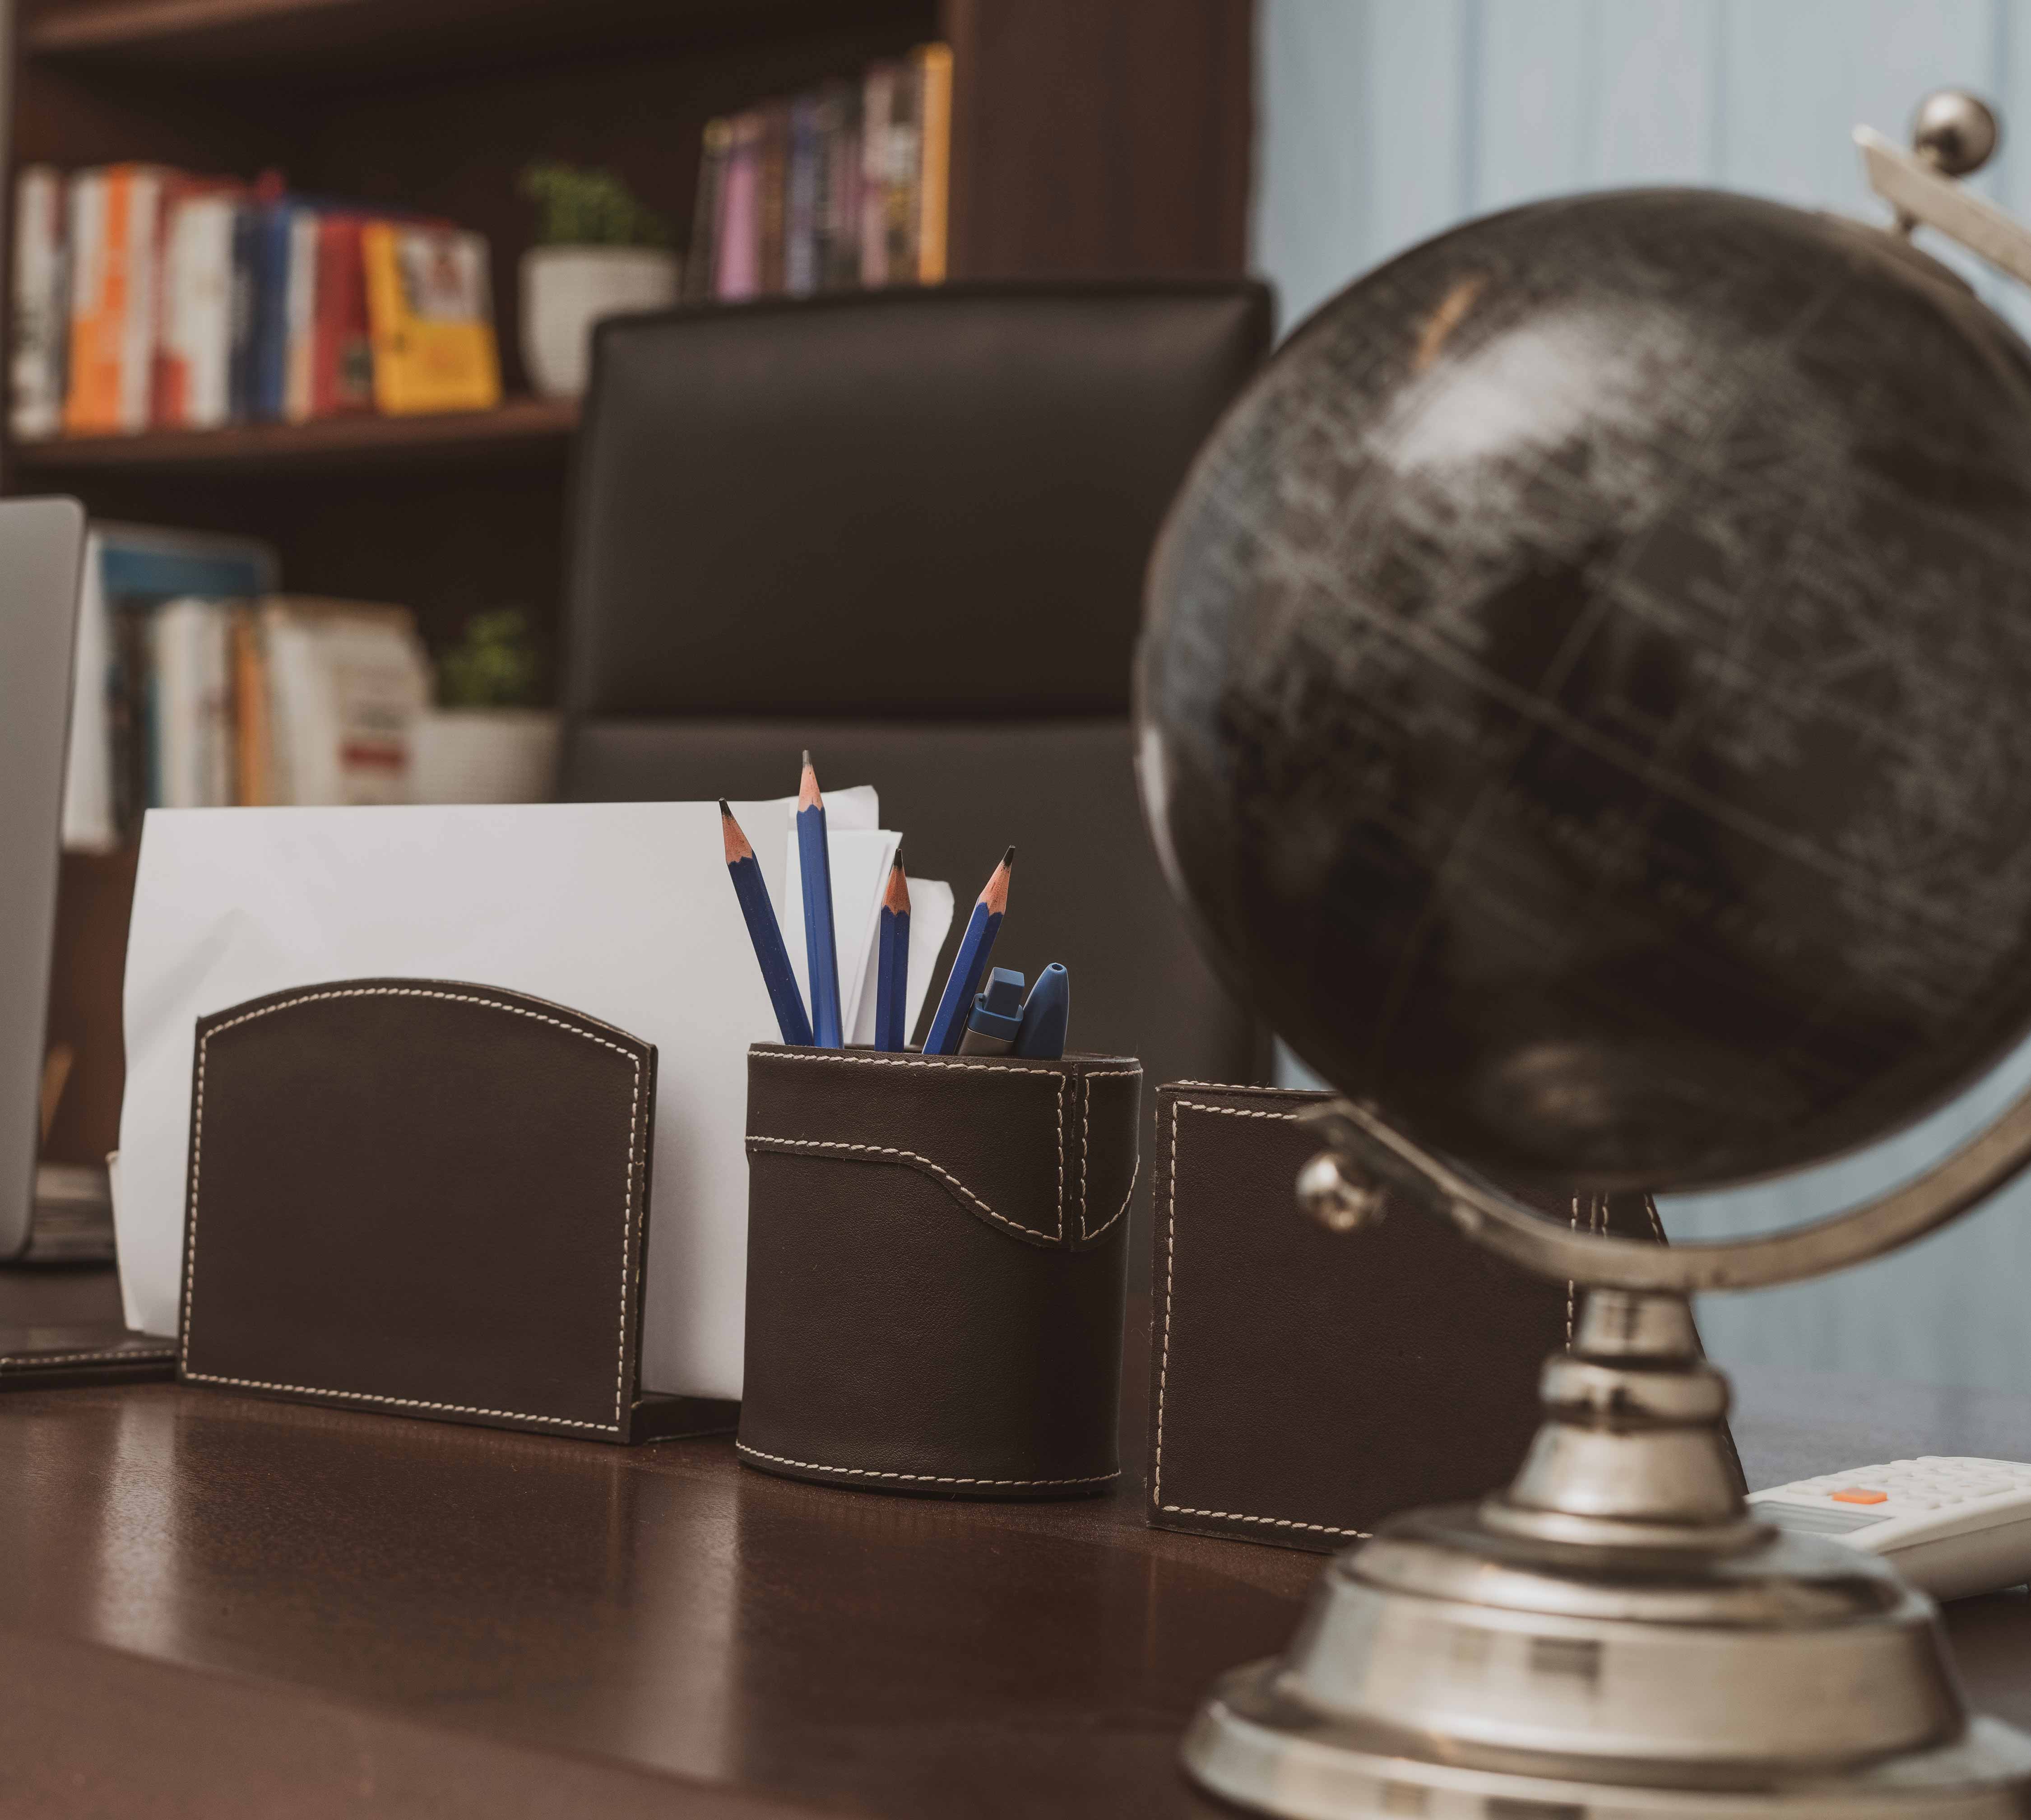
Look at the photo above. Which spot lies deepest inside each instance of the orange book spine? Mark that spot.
(100, 200)
(934, 64)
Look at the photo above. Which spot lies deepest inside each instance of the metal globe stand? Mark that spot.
(1615, 1633)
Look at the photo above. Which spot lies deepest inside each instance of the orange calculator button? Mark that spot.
(1861, 1494)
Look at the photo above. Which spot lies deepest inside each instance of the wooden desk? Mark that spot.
(213, 1605)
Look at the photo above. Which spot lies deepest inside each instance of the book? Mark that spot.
(341, 377)
(194, 339)
(736, 269)
(877, 96)
(274, 224)
(244, 309)
(800, 224)
(189, 714)
(701, 265)
(253, 751)
(900, 203)
(430, 307)
(348, 682)
(772, 186)
(131, 570)
(838, 206)
(36, 364)
(933, 64)
(299, 314)
(115, 218)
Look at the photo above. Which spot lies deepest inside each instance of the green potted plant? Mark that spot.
(487, 741)
(598, 252)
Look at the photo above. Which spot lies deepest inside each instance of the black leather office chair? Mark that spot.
(908, 529)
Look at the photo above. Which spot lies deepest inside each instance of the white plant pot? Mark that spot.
(484, 755)
(566, 290)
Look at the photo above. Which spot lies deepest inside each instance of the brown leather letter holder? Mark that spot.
(1304, 1384)
(423, 1198)
(935, 1258)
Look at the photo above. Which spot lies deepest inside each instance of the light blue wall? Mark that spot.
(1383, 121)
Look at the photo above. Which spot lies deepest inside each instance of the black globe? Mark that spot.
(1586, 689)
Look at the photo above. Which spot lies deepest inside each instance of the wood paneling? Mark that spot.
(1099, 138)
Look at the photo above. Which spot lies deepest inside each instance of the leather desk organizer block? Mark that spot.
(935, 1270)
(423, 1198)
(1305, 1384)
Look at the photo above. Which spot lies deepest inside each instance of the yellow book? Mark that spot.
(934, 76)
(431, 318)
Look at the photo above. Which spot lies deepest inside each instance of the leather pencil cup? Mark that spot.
(935, 1260)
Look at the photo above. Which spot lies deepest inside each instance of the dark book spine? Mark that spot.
(838, 207)
(774, 211)
(701, 268)
(246, 260)
(800, 228)
(905, 122)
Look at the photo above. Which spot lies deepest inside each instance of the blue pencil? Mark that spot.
(891, 982)
(764, 931)
(821, 950)
(948, 1027)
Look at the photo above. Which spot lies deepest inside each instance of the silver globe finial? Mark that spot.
(1954, 132)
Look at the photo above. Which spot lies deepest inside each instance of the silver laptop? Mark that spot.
(42, 563)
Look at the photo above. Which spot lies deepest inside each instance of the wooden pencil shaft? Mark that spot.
(821, 950)
(948, 1027)
(766, 934)
(891, 987)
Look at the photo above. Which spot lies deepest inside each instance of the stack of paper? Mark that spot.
(623, 910)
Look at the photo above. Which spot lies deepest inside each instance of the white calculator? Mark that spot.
(1951, 1527)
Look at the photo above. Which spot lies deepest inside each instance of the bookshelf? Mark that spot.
(1088, 137)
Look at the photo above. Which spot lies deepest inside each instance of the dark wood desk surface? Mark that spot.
(212, 1605)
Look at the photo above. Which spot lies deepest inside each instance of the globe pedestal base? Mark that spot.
(1615, 1634)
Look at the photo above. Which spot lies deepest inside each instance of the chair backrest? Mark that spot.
(908, 529)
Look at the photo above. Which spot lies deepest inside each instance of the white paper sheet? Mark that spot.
(621, 910)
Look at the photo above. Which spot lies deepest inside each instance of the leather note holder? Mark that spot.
(935, 1257)
(423, 1198)
(1305, 1384)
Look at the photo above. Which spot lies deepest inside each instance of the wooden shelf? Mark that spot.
(520, 426)
(323, 39)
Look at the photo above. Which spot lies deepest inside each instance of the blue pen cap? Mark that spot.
(1041, 1037)
(998, 1011)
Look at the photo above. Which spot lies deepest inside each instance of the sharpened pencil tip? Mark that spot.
(731, 837)
(994, 893)
(807, 787)
(896, 896)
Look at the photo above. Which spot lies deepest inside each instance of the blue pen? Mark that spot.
(821, 951)
(949, 1026)
(1041, 1036)
(763, 931)
(892, 981)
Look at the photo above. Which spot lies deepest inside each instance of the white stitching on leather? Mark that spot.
(1163, 1365)
(901, 1155)
(1273, 1522)
(1061, 1078)
(833, 1058)
(1135, 1170)
(628, 1213)
(399, 1402)
(29, 1361)
(919, 1478)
